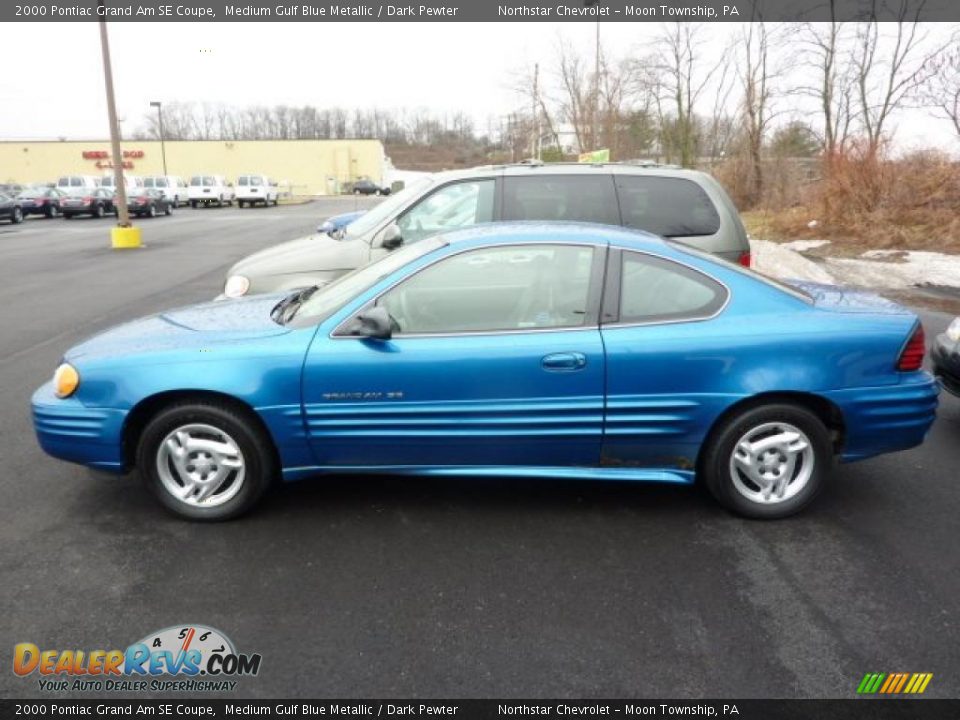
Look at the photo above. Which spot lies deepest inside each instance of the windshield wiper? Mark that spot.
(284, 310)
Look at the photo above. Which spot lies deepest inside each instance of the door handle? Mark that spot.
(564, 362)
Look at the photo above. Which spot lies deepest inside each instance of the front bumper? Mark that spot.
(888, 418)
(69, 430)
(945, 355)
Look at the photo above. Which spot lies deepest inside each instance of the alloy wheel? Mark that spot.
(771, 463)
(200, 465)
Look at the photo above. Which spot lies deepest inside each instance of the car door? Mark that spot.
(666, 353)
(496, 359)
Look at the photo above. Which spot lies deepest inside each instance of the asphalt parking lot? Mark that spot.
(376, 587)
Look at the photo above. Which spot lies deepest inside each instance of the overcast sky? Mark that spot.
(52, 85)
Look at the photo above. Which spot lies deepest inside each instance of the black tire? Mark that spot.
(260, 466)
(52, 211)
(220, 201)
(168, 209)
(717, 460)
(240, 203)
(276, 201)
(98, 211)
(152, 211)
(68, 216)
(193, 204)
(17, 217)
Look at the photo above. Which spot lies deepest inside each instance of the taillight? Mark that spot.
(912, 356)
(744, 258)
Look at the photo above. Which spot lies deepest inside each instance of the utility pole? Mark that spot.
(163, 147)
(596, 93)
(130, 238)
(535, 150)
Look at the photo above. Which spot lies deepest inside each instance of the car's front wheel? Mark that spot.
(17, 217)
(768, 462)
(205, 461)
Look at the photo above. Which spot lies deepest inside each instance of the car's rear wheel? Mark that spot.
(152, 211)
(205, 461)
(98, 211)
(168, 209)
(52, 210)
(768, 461)
(193, 204)
(17, 217)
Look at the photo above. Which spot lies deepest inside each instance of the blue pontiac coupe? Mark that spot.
(547, 350)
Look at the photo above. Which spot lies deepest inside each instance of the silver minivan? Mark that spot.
(684, 205)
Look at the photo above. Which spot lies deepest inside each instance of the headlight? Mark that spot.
(65, 380)
(236, 286)
(953, 332)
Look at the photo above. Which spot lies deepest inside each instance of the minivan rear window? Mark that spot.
(666, 206)
(561, 197)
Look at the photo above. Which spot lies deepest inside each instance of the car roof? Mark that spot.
(539, 231)
(534, 168)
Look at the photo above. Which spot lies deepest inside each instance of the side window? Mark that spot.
(579, 198)
(671, 207)
(450, 207)
(495, 289)
(656, 290)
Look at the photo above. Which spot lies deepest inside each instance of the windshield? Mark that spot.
(330, 298)
(387, 208)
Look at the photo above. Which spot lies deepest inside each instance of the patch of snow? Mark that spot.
(780, 261)
(912, 268)
(803, 245)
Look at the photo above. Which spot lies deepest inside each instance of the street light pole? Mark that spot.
(163, 147)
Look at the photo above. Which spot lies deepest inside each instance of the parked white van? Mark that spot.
(171, 187)
(78, 183)
(210, 189)
(131, 182)
(257, 188)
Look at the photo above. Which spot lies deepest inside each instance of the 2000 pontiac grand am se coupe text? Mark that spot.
(552, 350)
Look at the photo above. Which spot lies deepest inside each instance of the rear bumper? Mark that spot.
(889, 418)
(68, 430)
(945, 355)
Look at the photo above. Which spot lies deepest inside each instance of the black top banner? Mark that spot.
(479, 10)
(490, 709)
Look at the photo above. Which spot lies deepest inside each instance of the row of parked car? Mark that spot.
(150, 195)
(96, 202)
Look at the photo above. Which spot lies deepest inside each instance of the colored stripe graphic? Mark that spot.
(894, 683)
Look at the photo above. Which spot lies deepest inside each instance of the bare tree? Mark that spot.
(756, 79)
(577, 92)
(888, 71)
(943, 91)
(823, 50)
(679, 78)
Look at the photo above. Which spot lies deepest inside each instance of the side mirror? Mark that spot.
(373, 323)
(392, 239)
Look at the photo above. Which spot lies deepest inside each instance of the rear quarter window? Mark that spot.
(666, 206)
(577, 198)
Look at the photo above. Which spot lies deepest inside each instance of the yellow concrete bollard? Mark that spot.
(122, 238)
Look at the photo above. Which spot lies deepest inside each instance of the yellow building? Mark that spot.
(307, 167)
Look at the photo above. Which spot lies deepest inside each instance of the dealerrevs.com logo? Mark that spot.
(186, 658)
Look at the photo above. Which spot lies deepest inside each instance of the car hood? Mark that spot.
(848, 300)
(184, 328)
(313, 253)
